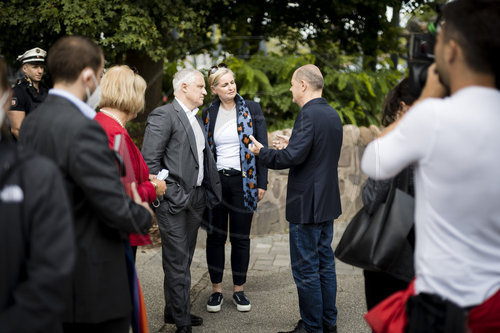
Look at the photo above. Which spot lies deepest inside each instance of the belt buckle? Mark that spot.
(225, 172)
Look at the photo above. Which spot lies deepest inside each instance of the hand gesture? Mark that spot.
(282, 142)
(255, 147)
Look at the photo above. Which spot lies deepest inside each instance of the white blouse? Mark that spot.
(226, 140)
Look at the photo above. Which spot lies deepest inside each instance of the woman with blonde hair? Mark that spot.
(229, 121)
(122, 98)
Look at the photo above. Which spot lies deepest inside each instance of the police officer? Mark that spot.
(28, 92)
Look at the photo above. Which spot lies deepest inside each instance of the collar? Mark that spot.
(317, 100)
(81, 105)
(185, 108)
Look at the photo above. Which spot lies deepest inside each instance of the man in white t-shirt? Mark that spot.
(453, 143)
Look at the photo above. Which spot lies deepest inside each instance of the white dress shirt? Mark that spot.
(199, 137)
(454, 145)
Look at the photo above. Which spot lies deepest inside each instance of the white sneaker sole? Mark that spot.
(215, 308)
(242, 308)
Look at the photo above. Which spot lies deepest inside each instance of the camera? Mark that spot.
(420, 57)
(421, 54)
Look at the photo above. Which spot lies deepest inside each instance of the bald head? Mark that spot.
(312, 75)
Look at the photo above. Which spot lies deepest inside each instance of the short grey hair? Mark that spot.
(186, 75)
(312, 75)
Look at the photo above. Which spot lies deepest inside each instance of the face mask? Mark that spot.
(3, 100)
(94, 98)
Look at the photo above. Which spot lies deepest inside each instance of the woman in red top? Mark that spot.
(122, 99)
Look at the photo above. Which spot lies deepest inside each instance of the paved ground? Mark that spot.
(269, 287)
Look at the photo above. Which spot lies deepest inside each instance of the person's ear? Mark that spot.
(184, 87)
(212, 89)
(451, 51)
(303, 85)
(87, 74)
(87, 77)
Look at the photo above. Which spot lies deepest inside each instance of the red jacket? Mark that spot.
(141, 172)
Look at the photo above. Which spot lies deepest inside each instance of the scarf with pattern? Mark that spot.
(244, 126)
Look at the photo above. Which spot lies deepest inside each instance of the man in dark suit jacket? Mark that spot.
(175, 140)
(313, 198)
(62, 128)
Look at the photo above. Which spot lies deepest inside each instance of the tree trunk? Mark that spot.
(395, 23)
(152, 72)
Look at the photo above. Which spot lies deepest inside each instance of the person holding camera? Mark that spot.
(453, 143)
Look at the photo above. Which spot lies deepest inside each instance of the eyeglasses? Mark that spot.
(134, 69)
(214, 69)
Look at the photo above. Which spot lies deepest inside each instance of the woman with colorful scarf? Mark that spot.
(229, 121)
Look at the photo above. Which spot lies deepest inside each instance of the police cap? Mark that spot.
(36, 55)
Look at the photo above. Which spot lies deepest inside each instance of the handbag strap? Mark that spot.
(404, 180)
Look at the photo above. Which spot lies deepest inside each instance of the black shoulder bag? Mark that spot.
(379, 242)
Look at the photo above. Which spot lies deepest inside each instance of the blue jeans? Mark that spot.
(313, 268)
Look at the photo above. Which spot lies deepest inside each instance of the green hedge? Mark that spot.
(356, 94)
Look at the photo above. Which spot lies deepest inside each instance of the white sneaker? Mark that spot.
(241, 301)
(215, 302)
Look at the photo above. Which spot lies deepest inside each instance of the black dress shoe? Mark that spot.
(329, 329)
(298, 329)
(195, 320)
(183, 329)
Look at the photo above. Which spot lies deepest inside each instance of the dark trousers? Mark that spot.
(119, 325)
(134, 252)
(178, 240)
(379, 286)
(240, 222)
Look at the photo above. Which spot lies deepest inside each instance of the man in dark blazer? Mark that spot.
(313, 198)
(175, 140)
(62, 129)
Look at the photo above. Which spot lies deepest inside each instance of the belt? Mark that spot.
(230, 172)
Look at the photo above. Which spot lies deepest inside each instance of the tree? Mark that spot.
(141, 33)
(360, 26)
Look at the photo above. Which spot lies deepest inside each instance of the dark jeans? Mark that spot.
(313, 268)
(240, 222)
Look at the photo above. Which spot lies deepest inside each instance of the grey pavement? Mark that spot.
(269, 287)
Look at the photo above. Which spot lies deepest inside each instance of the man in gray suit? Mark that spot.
(175, 140)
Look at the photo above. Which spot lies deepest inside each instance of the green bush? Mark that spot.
(356, 94)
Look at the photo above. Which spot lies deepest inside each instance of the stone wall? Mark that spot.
(270, 216)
